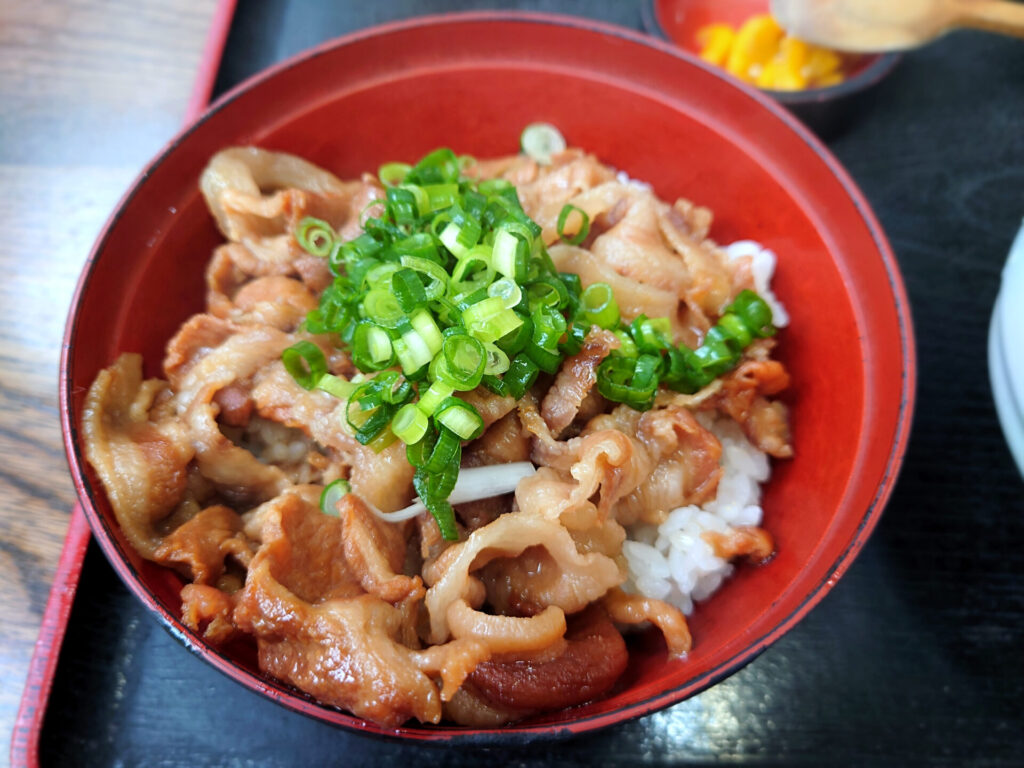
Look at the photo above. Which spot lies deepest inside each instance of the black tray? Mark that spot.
(916, 656)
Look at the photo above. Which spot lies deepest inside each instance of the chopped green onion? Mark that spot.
(371, 348)
(436, 450)
(392, 174)
(633, 382)
(412, 350)
(511, 253)
(424, 324)
(383, 439)
(432, 397)
(719, 353)
(372, 425)
(380, 276)
(581, 232)
(332, 494)
(733, 326)
(435, 274)
(598, 306)
(521, 375)
(305, 361)
(404, 203)
(755, 312)
(574, 338)
(336, 386)
(489, 319)
(382, 307)
(627, 347)
(684, 373)
(497, 360)
(450, 287)
(548, 326)
(409, 424)
(540, 141)
(460, 417)
(421, 246)
(315, 236)
(459, 236)
(507, 290)
(649, 336)
(548, 292)
(439, 167)
(464, 362)
(517, 340)
(495, 384)
(473, 270)
(408, 290)
(441, 196)
(429, 490)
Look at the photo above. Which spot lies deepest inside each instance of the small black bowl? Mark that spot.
(827, 111)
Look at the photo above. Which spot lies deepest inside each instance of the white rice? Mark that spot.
(762, 266)
(672, 561)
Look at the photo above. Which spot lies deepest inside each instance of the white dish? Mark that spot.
(1006, 351)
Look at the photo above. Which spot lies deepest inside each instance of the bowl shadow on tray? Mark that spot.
(827, 111)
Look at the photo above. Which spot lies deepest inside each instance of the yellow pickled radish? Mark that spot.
(795, 52)
(754, 46)
(779, 75)
(760, 52)
(820, 63)
(715, 41)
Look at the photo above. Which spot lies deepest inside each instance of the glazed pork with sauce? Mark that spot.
(217, 469)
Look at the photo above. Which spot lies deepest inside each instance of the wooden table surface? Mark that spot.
(90, 89)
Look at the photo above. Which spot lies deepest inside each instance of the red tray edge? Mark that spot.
(43, 665)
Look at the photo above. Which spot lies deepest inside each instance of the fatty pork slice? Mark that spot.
(634, 247)
(384, 479)
(633, 296)
(233, 266)
(140, 455)
(544, 190)
(684, 455)
(605, 467)
(206, 357)
(584, 577)
(744, 397)
(258, 198)
(257, 195)
(318, 629)
(710, 285)
(575, 380)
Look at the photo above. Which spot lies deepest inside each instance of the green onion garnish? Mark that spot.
(305, 362)
(581, 232)
(315, 236)
(450, 287)
(332, 494)
(598, 306)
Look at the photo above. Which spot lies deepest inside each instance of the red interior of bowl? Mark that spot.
(472, 83)
(682, 19)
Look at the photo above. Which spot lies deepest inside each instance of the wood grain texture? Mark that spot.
(90, 90)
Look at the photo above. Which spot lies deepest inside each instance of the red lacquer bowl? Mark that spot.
(472, 82)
